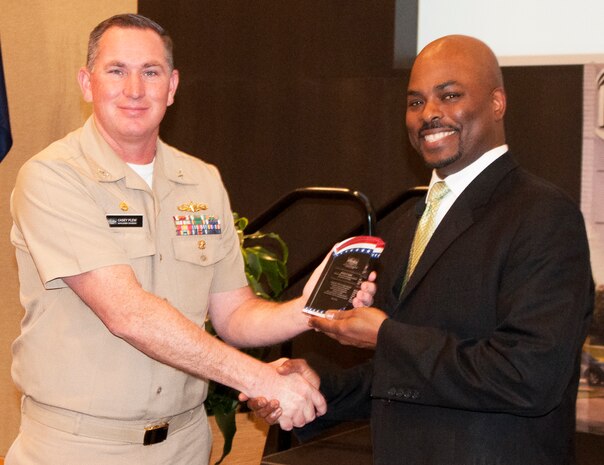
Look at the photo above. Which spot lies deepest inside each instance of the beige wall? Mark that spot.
(43, 46)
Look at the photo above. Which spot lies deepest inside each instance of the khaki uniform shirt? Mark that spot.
(78, 207)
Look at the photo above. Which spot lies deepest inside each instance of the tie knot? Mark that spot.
(438, 191)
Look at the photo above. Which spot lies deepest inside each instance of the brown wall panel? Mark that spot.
(288, 94)
(286, 38)
(544, 121)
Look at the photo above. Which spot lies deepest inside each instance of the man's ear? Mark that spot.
(174, 79)
(498, 98)
(84, 81)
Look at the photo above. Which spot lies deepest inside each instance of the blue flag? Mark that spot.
(6, 140)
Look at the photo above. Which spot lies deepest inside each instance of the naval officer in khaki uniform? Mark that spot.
(124, 245)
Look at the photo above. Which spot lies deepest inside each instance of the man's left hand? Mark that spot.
(358, 327)
(364, 297)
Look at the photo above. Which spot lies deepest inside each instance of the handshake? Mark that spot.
(288, 392)
(300, 401)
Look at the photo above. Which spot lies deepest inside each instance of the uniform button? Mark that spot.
(158, 390)
(391, 391)
(203, 258)
(161, 257)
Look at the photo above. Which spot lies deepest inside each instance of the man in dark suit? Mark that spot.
(477, 351)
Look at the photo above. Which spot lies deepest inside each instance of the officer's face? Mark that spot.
(130, 86)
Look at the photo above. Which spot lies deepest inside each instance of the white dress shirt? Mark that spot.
(457, 182)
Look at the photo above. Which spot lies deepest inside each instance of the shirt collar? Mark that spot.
(174, 164)
(457, 182)
(107, 166)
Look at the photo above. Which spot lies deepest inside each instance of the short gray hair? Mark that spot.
(127, 21)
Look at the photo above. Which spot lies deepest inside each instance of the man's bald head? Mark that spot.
(470, 51)
(455, 103)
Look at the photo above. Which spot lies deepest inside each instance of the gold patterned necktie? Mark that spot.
(425, 227)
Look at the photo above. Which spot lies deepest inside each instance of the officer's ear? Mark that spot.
(84, 81)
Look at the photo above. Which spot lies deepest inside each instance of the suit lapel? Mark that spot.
(449, 229)
(460, 217)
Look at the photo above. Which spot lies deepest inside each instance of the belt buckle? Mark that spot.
(155, 434)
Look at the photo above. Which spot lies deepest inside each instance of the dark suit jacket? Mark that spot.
(479, 362)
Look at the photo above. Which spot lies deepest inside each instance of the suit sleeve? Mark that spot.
(348, 399)
(541, 309)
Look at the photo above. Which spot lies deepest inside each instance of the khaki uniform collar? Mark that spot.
(174, 165)
(107, 166)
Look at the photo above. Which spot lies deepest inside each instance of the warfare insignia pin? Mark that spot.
(192, 207)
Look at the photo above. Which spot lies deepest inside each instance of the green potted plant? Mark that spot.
(265, 257)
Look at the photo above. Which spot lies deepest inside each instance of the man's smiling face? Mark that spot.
(130, 85)
(454, 109)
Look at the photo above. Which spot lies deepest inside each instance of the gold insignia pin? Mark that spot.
(124, 206)
(192, 207)
(201, 244)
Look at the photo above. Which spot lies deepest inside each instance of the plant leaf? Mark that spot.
(253, 264)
